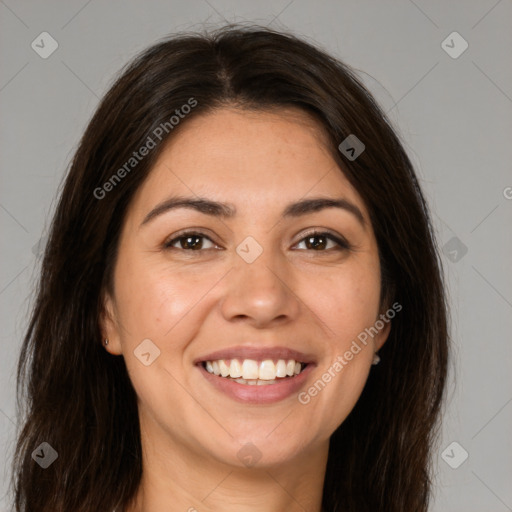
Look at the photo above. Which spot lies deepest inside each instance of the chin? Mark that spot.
(260, 450)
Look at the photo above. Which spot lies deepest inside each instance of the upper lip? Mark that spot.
(257, 353)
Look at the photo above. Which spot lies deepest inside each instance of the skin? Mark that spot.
(192, 302)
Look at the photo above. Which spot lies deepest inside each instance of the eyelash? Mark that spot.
(340, 241)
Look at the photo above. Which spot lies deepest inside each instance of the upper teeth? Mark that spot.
(251, 369)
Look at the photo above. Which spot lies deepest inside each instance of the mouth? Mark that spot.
(252, 372)
(257, 376)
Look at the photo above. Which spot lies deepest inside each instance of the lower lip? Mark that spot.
(254, 394)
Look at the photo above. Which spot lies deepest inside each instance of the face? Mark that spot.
(255, 290)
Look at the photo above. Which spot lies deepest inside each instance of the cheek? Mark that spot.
(155, 300)
(347, 306)
(348, 301)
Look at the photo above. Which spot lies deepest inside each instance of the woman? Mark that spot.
(240, 239)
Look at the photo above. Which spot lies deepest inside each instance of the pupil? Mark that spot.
(188, 242)
(322, 244)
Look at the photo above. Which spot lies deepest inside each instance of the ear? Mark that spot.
(382, 336)
(109, 325)
(385, 306)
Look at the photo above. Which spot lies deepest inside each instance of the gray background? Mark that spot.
(454, 115)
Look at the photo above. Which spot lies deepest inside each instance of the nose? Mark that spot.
(260, 293)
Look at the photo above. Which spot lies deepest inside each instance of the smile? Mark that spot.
(254, 373)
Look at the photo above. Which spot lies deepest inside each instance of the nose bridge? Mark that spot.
(259, 288)
(259, 267)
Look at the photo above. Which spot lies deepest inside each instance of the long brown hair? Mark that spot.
(78, 398)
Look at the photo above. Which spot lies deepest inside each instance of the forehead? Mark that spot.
(254, 159)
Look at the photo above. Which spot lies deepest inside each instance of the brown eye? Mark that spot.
(189, 242)
(318, 242)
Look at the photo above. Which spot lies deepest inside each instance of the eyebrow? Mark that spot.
(227, 210)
